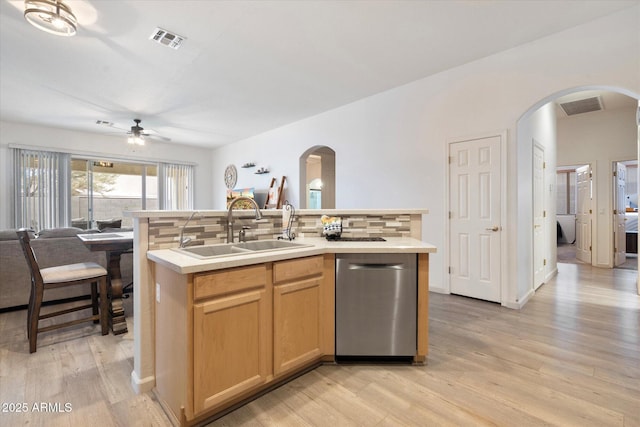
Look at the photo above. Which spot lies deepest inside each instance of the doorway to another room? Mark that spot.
(625, 214)
(573, 223)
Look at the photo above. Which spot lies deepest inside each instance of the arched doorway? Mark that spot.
(524, 204)
(318, 178)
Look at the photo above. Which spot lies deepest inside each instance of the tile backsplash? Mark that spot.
(164, 232)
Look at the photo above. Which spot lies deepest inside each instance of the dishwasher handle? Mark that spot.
(376, 266)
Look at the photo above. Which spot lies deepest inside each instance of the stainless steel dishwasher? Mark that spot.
(376, 305)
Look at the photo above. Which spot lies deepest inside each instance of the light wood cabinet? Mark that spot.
(231, 337)
(297, 316)
(223, 336)
(231, 334)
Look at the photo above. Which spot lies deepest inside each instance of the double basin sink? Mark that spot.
(227, 249)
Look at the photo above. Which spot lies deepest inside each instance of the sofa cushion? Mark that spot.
(8, 235)
(12, 235)
(108, 223)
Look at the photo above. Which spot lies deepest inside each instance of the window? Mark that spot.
(566, 192)
(101, 190)
(59, 189)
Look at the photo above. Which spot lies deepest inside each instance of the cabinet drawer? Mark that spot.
(229, 281)
(284, 271)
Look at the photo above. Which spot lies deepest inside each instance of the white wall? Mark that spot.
(539, 127)
(599, 138)
(390, 148)
(98, 145)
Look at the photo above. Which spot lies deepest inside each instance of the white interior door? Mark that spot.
(539, 215)
(619, 217)
(583, 214)
(475, 201)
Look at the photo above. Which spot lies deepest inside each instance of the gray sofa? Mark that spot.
(52, 247)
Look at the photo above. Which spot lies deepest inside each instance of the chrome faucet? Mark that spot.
(230, 215)
(185, 242)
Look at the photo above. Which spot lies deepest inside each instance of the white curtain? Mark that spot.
(42, 187)
(175, 183)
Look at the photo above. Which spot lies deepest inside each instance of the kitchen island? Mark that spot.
(231, 327)
(157, 235)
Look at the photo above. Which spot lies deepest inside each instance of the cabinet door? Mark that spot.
(296, 324)
(232, 342)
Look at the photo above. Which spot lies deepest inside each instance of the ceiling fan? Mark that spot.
(137, 134)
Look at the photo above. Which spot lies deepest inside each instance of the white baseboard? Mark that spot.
(438, 290)
(142, 385)
(517, 305)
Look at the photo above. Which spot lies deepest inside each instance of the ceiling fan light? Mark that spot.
(51, 16)
(136, 140)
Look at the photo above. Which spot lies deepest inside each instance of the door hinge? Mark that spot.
(449, 270)
(544, 214)
(450, 214)
(615, 211)
(544, 261)
(590, 174)
(544, 165)
(589, 248)
(590, 211)
(615, 173)
(450, 159)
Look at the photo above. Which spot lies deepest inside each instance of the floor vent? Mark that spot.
(580, 106)
(167, 38)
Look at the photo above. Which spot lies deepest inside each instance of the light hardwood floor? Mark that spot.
(571, 357)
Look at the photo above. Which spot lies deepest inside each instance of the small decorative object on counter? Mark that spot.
(261, 171)
(248, 165)
(331, 227)
(288, 213)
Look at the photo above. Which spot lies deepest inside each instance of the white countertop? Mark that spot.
(274, 212)
(184, 264)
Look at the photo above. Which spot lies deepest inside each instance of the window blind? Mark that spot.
(176, 186)
(42, 189)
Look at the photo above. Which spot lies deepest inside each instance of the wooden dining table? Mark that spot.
(114, 244)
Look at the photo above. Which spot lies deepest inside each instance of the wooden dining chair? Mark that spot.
(43, 279)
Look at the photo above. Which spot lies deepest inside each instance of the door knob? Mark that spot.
(496, 228)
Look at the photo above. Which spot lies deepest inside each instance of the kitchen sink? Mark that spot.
(210, 251)
(268, 245)
(229, 249)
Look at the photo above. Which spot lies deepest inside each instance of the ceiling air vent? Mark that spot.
(580, 106)
(167, 38)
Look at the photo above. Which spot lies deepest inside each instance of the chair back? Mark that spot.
(29, 254)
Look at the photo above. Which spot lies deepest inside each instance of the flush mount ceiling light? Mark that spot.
(51, 16)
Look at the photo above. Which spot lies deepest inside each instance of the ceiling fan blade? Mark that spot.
(135, 130)
(156, 136)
